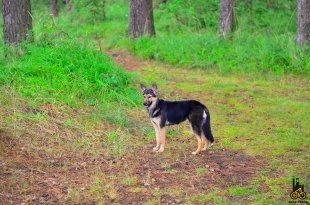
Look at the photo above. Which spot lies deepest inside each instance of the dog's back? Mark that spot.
(176, 112)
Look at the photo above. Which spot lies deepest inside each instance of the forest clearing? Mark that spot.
(73, 128)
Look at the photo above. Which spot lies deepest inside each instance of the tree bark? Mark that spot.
(54, 8)
(303, 22)
(68, 5)
(141, 20)
(17, 20)
(226, 16)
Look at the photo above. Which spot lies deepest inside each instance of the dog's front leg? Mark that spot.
(157, 137)
(162, 139)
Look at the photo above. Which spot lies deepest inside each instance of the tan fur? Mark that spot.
(157, 133)
(149, 99)
(162, 139)
(199, 145)
(205, 144)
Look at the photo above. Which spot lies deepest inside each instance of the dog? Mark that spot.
(163, 113)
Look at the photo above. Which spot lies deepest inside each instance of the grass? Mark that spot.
(248, 113)
(259, 44)
(264, 116)
(70, 120)
(240, 191)
(68, 73)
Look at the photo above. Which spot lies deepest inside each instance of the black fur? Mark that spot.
(175, 112)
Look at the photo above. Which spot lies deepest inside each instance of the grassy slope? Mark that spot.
(54, 132)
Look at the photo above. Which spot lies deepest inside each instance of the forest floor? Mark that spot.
(55, 155)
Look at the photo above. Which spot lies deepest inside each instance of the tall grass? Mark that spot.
(60, 67)
(263, 39)
(68, 73)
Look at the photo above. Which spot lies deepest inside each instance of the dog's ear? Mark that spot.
(154, 86)
(142, 87)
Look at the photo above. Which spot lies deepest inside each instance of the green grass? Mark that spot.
(266, 116)
(239, 191)
(69, 112)
(67, 73)
(263, 40)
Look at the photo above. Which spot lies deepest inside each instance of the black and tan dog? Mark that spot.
(163, 113)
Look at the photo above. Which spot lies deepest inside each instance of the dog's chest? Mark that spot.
(156, 120)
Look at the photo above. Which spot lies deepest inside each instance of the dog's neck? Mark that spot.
(152, 109)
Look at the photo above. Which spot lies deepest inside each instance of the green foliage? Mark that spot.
(90, 10)
(67, 72)
(263, 40)
(60, 67)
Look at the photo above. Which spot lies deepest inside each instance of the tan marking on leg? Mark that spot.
(157, 136)
(200, 143)
(205, 143)
(162, 139)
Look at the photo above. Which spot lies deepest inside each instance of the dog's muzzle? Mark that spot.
(147, 104)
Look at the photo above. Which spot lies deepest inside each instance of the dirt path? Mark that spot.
(126, 60)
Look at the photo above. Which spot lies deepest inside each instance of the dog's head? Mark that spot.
(149, 95)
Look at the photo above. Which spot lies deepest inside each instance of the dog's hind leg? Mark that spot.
(205, 143)
(195, 121)
(200, 144)
(157, 136)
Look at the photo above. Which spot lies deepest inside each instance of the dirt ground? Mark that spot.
(40, 179)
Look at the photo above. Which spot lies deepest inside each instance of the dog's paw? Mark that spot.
(194, 153)
(207, 146)
(160, 150)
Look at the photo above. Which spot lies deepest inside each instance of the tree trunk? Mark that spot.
(141, 21)
(303, 22)
(54, 9)
(68, 5)
(17, 21)
(226, 16)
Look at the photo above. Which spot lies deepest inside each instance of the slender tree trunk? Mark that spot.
(68, 5)
(303, 22)
(17, 21)
(54, 8)
(141, 20)
(226, 16)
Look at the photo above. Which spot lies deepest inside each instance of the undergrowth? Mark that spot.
(68, 73)
(60, 68)
(263, 40)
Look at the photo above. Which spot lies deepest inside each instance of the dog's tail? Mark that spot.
(206, 127)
